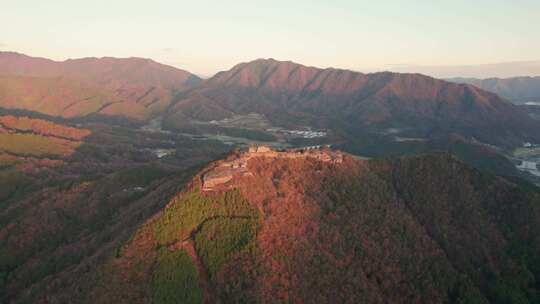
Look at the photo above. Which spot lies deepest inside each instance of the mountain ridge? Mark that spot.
(288, 94)
(284, 92)
(140, 83)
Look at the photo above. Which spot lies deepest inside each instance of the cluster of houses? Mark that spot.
(303, 133)
(529, 166)
(309, 148)
(529, 145)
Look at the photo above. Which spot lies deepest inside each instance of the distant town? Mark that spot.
(304, 134)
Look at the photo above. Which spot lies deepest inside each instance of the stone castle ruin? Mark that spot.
(226, 170)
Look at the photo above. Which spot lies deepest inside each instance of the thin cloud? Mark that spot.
(168, 50)
(3, 45)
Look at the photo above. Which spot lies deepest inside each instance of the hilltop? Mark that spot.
(237, 165)
(323, 227)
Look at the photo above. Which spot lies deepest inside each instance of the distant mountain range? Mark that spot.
(491, 70)
(132, 87)
(519, 90)
(416, 105)
(286, 93)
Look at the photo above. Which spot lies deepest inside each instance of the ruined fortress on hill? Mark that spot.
(227, 169)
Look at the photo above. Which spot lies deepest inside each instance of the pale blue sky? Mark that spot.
(206, 36)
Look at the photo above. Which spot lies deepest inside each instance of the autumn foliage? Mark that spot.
(424, 229)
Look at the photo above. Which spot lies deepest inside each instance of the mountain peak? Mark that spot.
(261, 63)
(280, 90)
(273, 74)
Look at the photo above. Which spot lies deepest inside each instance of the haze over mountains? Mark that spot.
(519, 90)
(509, 69)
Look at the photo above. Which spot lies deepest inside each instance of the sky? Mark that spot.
(444, 38)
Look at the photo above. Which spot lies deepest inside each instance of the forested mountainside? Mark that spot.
(136, 88)
(287, 94)
(323, 227)
(69, 195)
(110, 191)
(414, 105)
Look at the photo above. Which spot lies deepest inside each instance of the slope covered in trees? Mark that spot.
(135, 88)
(426, 229)
(414, 105)
(69, 196)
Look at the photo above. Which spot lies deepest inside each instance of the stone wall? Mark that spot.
(227, 169)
